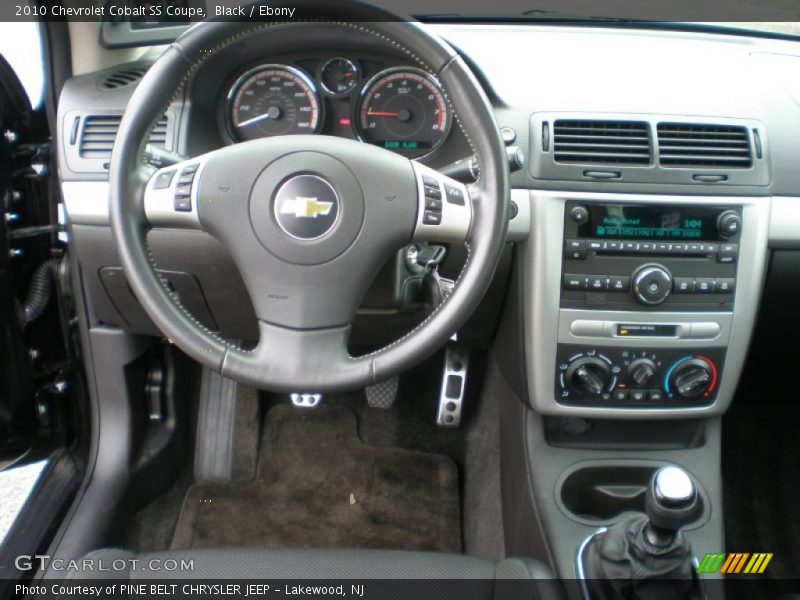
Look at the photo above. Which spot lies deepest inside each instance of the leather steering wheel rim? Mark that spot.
(313, 359)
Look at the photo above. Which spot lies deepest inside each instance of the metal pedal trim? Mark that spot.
(305, 400)
(454, 383)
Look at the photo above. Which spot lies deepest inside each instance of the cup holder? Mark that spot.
(598, 494)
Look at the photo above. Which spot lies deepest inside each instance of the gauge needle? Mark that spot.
(401, 115)
(272, 113)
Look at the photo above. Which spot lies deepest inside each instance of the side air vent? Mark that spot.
(605, 142)
(99, 133)
(700, 145)
(122, 78)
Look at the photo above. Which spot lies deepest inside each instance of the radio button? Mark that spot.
(576, 244)
(678, 248)
(630, 246)
(612, 245)
(726, 259)
(729, 248)
(597, 283)
(710, 248)
(683, 285)
(662, 247)
(618, 284)
(695, 248)
(726, 285)
(705, 285)
(647, 247)
(595, 245)
(574, 282)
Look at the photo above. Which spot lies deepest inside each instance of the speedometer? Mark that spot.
(273, 100)
(404, 110)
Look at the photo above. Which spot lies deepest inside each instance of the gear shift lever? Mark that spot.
(671, 503)
(646, 557)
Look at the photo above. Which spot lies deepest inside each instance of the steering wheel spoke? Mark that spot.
(444, 212)
(297, 360)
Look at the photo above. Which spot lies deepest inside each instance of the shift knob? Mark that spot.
(671, 503)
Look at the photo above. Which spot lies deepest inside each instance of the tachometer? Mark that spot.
(404, 110)
(273, 100)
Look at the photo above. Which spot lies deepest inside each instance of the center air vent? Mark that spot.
(122, 78)
(99, 133)
(606, 142)
(699, 145)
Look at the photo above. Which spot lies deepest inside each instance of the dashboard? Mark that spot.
(646, 209)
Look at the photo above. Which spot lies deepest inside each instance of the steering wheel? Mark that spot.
(308, 219)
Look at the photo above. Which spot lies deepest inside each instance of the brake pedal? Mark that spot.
(306, 400)
(454, 383)
(383, 394)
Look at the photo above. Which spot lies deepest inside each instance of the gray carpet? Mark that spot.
(319, 485)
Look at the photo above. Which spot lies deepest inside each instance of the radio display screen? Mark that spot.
(618, 221)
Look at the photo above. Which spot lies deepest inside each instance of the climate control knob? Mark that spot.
(588, 376)
(652, 284)
(641, 371)
(691, 376)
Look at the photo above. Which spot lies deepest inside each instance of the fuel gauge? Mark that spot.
(339, 76)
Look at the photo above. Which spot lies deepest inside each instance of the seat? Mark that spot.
(453, 576)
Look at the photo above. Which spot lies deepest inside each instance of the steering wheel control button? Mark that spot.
(163, 179)
(433, 204)
(454, 195)
(306, 207)
(432, 217)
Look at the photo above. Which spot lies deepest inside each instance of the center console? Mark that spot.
(641, 305)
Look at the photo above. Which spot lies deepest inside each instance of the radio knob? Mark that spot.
(588, 376)
(579, 214)
(652, 284)
(641, 371)
(729, 223)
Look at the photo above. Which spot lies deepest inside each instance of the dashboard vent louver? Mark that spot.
(99, 133)
(606, 142)
(701, 145)
(122, 78)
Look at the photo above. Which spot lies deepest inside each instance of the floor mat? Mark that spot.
(761, 471)
(319, 485)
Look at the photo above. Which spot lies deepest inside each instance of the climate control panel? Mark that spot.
(618, 377)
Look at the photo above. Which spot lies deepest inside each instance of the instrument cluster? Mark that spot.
(399, 108)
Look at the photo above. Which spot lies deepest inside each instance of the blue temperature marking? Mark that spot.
(670, 370)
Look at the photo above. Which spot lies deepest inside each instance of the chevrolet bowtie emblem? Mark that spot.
(307, 208)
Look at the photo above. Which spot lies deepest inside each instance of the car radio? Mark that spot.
(645, 257)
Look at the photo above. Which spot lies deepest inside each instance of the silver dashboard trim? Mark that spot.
(86, 202)
(542, 289)
(784, 222)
